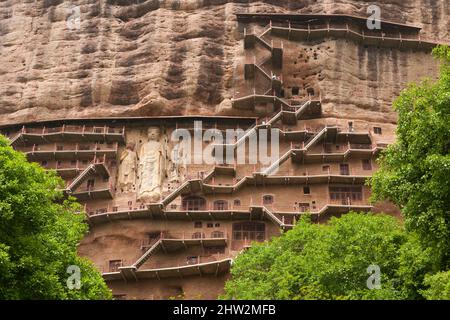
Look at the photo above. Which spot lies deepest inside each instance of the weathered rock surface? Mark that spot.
(178, 57)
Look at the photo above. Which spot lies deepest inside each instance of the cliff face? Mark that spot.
(149, 57)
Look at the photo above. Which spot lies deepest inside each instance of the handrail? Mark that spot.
(286, 155)
(72, 129)
(86, 172)
(382, 37)
(157, 242)
(147, 254)
(76, 149)
(298, 112)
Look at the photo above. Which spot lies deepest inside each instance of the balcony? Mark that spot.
(32, 135)
(71, 151)
(89, 192)
(174, 241)
(345, 152)
(341, 206)
(170, 212)
(75, 167)
(351, 30)
(208, 212)
(214, 267)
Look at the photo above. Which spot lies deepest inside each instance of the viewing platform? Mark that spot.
(68, 133)
(65, 152)
(309, 27)
(69, 170)
(272, 213)
(170, 242)
(174, 241)
(207, 268)
(86, 193)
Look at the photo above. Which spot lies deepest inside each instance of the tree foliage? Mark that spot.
(438, 286)
(328, 262)
(415, 171)
(39, 234)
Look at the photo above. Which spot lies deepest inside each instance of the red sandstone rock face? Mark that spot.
(149, 57)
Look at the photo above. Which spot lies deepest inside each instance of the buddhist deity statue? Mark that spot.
(152, 166)
(178, 162)
(127, 168)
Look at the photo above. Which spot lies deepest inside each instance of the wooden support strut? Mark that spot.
(217, 269)
(289, 32)
(309, 32)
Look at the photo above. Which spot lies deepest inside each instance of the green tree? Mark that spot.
(415, 171)
(39, 234)
(328, 261)
(438, 286)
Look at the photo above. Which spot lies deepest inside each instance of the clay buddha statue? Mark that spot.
(152, 158)
(127, 168)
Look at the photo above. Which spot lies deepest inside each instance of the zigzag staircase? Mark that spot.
(287, 155)
(90, 170)
(251, 39)
(279, 115)
(147, 254)
(274, 217)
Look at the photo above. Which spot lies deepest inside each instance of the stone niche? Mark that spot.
(150, 164)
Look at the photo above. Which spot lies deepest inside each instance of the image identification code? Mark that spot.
(226, 309)
(246, 309)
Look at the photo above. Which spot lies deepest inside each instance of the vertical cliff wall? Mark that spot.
(148, 57)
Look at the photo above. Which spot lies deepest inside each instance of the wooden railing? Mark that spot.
(77, 147)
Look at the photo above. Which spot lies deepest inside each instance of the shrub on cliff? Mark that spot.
(39, 233)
